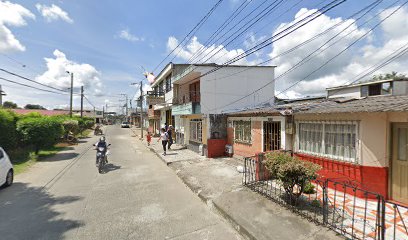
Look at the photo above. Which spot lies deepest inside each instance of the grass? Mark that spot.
(23, 158)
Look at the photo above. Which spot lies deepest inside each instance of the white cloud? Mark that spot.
(223, 55)
(84, 74)
(53, 13)
(12, 15)
(322, 78)
(125, 34)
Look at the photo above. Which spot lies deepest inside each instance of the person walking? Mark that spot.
(164, 136)
(170, 133)
(148, 138)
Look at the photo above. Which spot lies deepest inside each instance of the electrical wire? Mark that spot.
(195, 29)
(29, 86)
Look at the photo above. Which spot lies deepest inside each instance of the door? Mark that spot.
(272, 136)
(399, 164)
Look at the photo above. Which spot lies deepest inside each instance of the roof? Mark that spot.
(367, 83)
(335, 105)
(42, 112)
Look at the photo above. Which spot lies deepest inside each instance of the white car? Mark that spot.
(6, 169)
(125, 125)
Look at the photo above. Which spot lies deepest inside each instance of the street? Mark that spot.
(138, 197)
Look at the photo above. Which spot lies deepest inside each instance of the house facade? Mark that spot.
(201, 100)
(358, 134)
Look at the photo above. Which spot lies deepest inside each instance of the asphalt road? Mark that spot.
(138, 197)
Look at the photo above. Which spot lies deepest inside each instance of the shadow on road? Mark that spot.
(30, 213)
(60, 157)
(111, 167)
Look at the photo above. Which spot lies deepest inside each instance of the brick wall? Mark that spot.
(246, 150)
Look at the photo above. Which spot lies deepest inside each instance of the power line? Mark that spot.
(197, 26)
(348, 47)
(228, 20)
(30, 80)
(25, 85)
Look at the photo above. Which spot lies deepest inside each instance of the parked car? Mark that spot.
(6, 169)
(125, 125)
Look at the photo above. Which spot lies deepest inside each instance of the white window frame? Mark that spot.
(196, 122)
(355, 160)
(250, 131)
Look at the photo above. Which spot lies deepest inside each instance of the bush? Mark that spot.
(309, 188)
(292, 172)
(40, 132)
(8, 137)
(70, 127)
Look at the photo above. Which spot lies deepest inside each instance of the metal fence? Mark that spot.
(351, 211)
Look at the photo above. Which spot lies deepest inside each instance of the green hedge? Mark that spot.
(8, 133)
(40, 132)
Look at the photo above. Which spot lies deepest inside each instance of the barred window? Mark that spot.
(242, 131)
(337, 140)
(196, 131)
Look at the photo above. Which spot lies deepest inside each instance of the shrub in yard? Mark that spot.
(309, 188)
(40, 132)
(70, 126)
(8, 133)
(292, 172)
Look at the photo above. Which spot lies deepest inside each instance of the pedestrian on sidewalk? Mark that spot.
(170, 133)
(164, 136)
(148, 138)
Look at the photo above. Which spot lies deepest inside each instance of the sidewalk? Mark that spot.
(218, 183)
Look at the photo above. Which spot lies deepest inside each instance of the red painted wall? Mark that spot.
(373, 179)
(216, 147)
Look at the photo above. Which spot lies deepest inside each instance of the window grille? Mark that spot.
(196, 133)
(242, 131)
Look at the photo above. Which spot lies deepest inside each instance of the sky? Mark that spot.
(108, 44)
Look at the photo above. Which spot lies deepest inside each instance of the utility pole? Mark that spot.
(72, 92)
(141, 109)
(82, 101)
(2, 93)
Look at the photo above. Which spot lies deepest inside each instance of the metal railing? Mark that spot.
(191, 96)
(351, 211)
(155, 94)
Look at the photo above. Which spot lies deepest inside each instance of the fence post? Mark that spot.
(325, 202)
(383, 213)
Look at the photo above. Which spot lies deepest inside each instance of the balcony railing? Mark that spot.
(155, 94)
(189, 97)
(151, 113)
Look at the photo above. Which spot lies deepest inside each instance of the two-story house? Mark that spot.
(160, 99)
(202, 96)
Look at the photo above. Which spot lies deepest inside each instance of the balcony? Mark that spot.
(153, 114)
(153, 98)
(193, 97)
(187, 109)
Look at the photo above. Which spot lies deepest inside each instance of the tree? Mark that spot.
(9, 104)
(8, 136)
(392, 75)
(34, 106)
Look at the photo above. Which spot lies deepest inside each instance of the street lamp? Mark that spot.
(72, 88)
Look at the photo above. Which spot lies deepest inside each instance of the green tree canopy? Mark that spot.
(9, 104)
(34, 106)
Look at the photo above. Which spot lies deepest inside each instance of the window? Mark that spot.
(196, 127)
(168, 84)
(384, 88)
(337, 140)
(242, 131)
